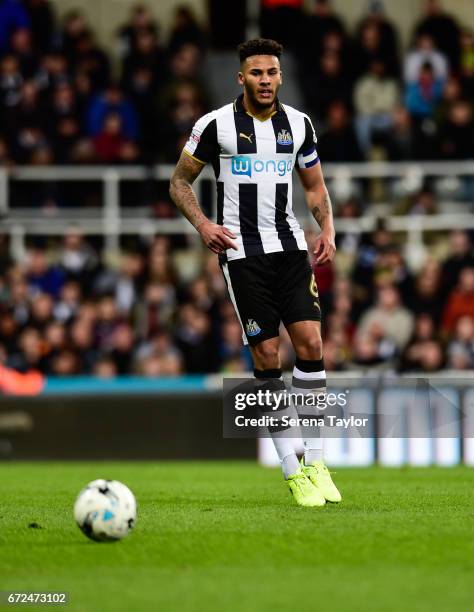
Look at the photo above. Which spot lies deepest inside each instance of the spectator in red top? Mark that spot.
(110, 142)
(461, 300)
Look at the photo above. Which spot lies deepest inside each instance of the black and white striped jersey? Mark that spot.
(253, 162)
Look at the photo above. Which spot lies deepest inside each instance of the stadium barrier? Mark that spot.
(136, 418)
(113, 220)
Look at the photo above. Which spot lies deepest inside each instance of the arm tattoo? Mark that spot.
(321, 209)
(181, 191)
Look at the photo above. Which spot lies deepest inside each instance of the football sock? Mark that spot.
(282, 439)
(309, 377)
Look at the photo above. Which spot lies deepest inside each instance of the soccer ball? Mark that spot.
(105, 510)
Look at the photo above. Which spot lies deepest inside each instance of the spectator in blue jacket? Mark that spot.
(422, 95)
(111, 101)
(12, 17)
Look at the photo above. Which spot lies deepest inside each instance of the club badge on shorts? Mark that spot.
(252, 328)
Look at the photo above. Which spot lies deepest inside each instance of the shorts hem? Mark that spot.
(254, 340)
(298, 318)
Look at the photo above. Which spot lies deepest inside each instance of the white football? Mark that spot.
(105, 510)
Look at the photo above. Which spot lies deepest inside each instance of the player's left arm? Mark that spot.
(319, 203)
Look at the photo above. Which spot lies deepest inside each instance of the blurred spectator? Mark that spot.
(328, 85)
(26, 122)
(21, 46)
(370, 46)
(65, 363)
(140, 21)
(461, 301)
(11, 81)
(125, 283)
(376, 96)
(74, 26)
(30, 352)
(320, 22)
(388, 34)
(105, 367)
(108, 320)
(186, 63)
(338, 143)
(54, 71)
(461, 256)
(42, 24)
(399, 140)
(12, 16)
(110, 143)
(81, 335)
(122, 344)
(77, 258)
(452, 92)
(422, 95)
(185, 29)
(185, 105)
(424, 351)
(461, 348)
(388, 325)
(67, 307)
(41, 276)
(427, 296)
(232, 349)
(145, 55)
(194, 339)
(41, 311)
(91, 59)
(457, 132)
(442, 28)
(112, 101)
(156, 309)
(425, 53)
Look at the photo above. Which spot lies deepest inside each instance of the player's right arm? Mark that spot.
(203, 142)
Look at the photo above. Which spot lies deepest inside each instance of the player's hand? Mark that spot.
(216, 237)
(325, 248)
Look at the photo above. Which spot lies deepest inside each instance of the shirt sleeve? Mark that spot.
(202, 144)
(307, 154)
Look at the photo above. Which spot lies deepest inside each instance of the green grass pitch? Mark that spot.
(226, 537)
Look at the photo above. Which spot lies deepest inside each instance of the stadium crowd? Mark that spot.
(66, 309)
(62, 100)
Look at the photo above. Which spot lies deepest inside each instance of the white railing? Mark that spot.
(112, 220)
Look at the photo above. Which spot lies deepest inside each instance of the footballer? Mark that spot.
(254, 143)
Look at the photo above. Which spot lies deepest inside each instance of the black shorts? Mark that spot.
(268, 289)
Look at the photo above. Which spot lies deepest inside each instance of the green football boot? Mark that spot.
(303, 490)
(319, 475)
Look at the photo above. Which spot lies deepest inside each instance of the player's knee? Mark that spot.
(310, 348)
(266, 356)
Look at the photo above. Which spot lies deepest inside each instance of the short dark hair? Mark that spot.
(259, 46)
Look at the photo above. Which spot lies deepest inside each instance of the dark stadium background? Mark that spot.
(105, 290)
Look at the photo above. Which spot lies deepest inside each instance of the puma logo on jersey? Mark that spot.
(249, 138)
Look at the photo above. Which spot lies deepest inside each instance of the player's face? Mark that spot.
(261, 77)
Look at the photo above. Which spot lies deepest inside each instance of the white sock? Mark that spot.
(312, 381)
(286, 453)
(282, 439)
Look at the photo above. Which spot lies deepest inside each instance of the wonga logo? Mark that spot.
(243, 165)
